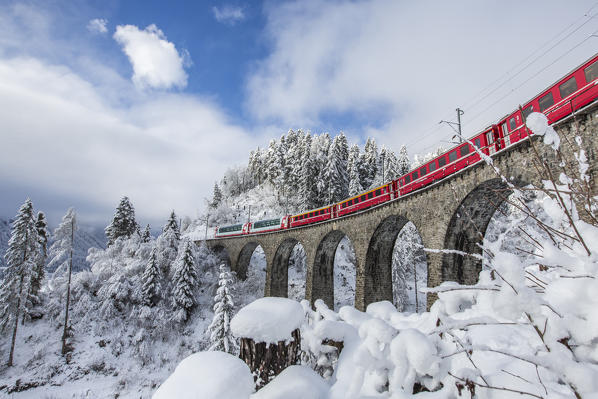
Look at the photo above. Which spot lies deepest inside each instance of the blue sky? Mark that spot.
(155, 100)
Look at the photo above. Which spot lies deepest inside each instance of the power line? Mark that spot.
(434, 130)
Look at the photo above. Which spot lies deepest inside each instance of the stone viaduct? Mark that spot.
(450, 214)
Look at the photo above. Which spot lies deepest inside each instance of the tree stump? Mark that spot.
(267, 361)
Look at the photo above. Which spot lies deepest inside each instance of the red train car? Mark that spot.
(313, 216)
(450, 161)
(574, 91)
(364, 200)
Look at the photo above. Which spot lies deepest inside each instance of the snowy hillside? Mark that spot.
(85, 238)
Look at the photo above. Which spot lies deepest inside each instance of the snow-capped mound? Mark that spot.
(208, 375)
(268, 320)
(295, 382)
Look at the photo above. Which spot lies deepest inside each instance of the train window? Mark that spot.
(546, 102)
(591, 72)
(528, 111)
(407, 179)
(363, 197)
(464, 150)
(423, 171)
(477, 143)
(415, 175)
(568, 88)
(350, 202)
(441, 162)
(432, 166)
(378, 192)
(512, 124)
(370, 195)
(452, 156)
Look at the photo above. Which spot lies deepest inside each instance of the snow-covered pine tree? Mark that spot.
(21, 256)
(273, 163)
(216, 196)
(184, 281)
(321, 147)
(337, 176)
(168, 244)
(354, 181)
(173, 225)
(61, 252)
(353, 170)
(391, 167)
(308, 189)
(403, 163)
(123, 223)
(150, 289)
(221, 337)
(40, 262)
(370, 163)
(147, 234)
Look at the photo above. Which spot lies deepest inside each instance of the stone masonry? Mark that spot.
(450, 214)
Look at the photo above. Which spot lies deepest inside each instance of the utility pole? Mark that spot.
(458, 124)
(383, 162)
(249, 215)
(206, 234)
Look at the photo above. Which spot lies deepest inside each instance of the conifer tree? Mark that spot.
(221, 336)
(308, 188)
(370, 163)
(150, 290)
(40, 262)
(354, 180)
(21, 256)
(217, 196)
(147, 234)
(403, 164)
(337, 176)
(123, 223)
(61, 252)
(168, 244)
(321, 147)
(184, 281)
(173, 225)
(391, 167)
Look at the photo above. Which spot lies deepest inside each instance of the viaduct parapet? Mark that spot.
(450, 214)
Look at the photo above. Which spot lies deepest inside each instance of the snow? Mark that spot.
(295, 382)
(268, 320)
(208, 375)
(538, 123)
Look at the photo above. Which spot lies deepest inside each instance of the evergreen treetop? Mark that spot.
(123, 223)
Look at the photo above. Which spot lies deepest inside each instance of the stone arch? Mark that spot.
(222, 254)
(322, 279)
(279, 272)
(467, 227)
(244, 258)
(377, 273)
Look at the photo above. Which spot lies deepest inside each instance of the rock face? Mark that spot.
(451, 214)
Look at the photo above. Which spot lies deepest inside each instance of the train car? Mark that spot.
(229, 231)
(450, 161)
(574, 91)
(312, 216)
(264, 226)
(364, 200)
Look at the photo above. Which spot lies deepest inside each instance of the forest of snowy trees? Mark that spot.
(308, 171)
(152, 300)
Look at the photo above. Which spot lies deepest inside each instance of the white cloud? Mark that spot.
(156, 61)
(405, 65)
(60, 136)
(228, 14)
(98, 25)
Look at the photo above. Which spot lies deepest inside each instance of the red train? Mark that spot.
(574, 91)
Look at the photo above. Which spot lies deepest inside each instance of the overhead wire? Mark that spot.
(586, 15)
